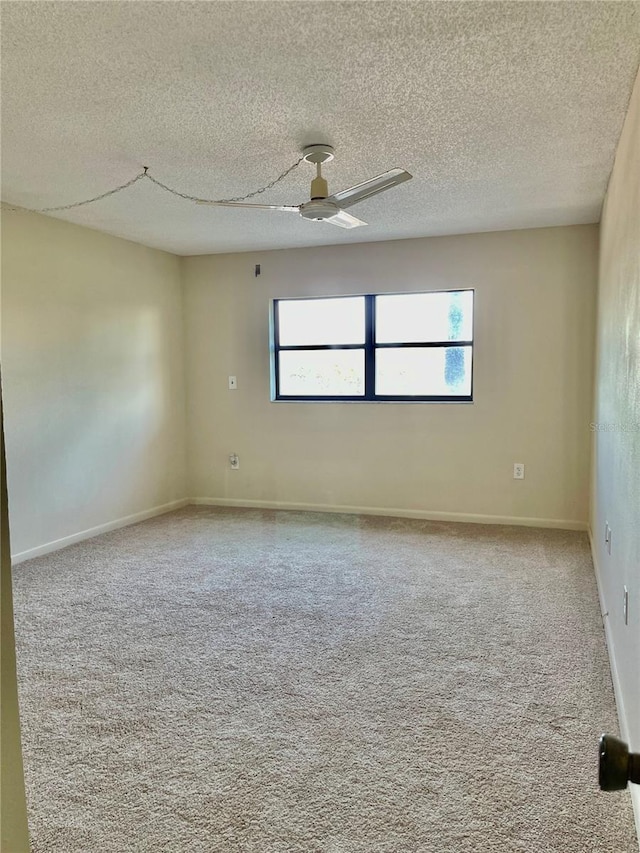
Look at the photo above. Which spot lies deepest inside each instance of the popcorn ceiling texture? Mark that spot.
(244, 681)
(507, 114)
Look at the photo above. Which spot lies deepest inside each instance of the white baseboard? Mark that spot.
(48, 547)
(395, 512)
(615, 675)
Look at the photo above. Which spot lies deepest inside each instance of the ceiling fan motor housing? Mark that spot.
(319, 209)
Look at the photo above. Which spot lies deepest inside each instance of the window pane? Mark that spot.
(303, 322)
(419, 317)
(315, 373)
(424, 371)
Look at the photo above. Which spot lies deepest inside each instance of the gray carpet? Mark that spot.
(245, 680)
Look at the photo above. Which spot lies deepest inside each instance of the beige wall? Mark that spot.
(93, 379)
(535, 302)
(616, 462)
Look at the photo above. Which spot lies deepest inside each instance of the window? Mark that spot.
(393, 347)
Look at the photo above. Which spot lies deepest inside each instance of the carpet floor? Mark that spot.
(282, 682)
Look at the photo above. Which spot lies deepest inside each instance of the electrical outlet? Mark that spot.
(233, 383)
(234, 461)
(518, 470)
(625, 605)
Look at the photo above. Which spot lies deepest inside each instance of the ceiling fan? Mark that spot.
(323, 207)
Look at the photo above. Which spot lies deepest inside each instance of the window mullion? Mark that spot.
(314, 347)
(423, 344)
(369, 347)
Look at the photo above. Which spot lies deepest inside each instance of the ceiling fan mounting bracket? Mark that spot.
(320, 153)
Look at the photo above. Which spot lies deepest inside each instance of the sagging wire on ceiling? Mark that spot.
(145, 174)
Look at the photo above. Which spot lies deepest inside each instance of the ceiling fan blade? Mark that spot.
(345, 220)
(371, 187)
(286, 207)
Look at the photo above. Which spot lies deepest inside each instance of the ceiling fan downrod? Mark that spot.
(318, 154)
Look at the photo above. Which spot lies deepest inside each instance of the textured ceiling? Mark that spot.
(507, 114)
